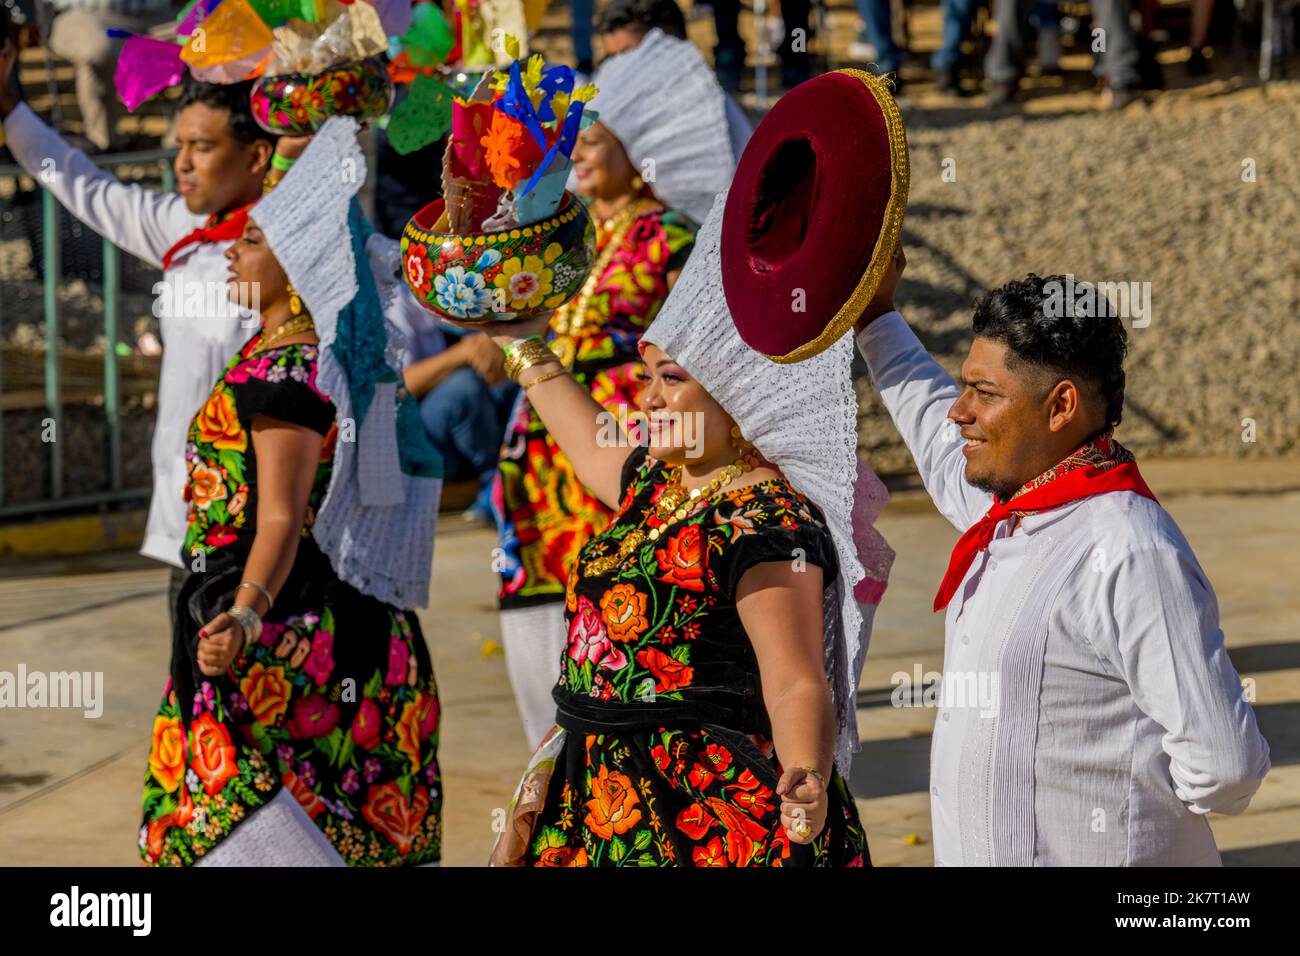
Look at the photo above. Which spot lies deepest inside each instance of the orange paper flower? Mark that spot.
(510, 151)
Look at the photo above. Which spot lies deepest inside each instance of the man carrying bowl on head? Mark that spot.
(223, 158)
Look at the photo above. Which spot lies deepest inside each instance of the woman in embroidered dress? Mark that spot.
(300, 724)
(715, 635)
(644, 232)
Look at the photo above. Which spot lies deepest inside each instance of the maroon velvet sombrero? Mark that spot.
(814, 214)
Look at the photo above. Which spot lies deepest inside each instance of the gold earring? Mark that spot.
(295, 303)
(637, 184)
(744, 446)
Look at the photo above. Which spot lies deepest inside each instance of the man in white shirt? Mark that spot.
(1089, 715)
(222, 161)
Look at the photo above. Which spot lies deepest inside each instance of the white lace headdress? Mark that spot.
(663, 102)
(378, 518)
(803, 418)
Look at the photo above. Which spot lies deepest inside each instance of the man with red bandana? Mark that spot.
(1075, 607)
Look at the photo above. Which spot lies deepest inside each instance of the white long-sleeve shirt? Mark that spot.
(1089, 713)
(197, 344)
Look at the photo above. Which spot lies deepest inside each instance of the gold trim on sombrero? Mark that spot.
(900, 178)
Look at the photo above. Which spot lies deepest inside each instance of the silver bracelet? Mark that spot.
(261, 590)
(249, 623)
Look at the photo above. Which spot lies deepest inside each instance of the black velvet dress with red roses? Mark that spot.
(668, 758)
(336, 702)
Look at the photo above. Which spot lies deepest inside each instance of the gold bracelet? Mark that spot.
(515, 353)
(543, 378)
(525, 358)
(527, 354)
(511, 347)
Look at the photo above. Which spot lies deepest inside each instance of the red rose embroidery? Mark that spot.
(681, 559)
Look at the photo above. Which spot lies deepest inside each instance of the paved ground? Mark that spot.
(70, 787)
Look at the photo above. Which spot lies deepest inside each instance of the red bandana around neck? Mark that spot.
(231, 226)
(1099, 465)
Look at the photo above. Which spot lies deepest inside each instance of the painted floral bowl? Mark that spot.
(504, 276)
(297, 104)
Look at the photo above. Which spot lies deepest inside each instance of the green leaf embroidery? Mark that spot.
(617, 850)
(345, 751)
(330, 744)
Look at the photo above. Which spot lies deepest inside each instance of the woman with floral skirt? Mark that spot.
(300, 724)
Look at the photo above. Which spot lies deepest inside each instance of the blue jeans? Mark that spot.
(1006, 58)
(465, 418)
(880, 33)
(957, 16)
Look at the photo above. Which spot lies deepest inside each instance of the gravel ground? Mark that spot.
(1153, 194)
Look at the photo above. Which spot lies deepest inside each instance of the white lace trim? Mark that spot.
(376, 523)
(663, 102)
(802, 417)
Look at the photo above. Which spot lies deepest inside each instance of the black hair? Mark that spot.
(233, 98)
(642, 16)
(1032, 318)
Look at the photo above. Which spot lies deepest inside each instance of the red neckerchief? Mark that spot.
(1099, 465)
(214, 230)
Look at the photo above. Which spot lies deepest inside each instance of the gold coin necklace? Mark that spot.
(292, 327)
(675, 505)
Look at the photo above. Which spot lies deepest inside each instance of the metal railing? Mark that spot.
(52, 262)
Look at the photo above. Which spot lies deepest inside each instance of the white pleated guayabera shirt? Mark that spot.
(1118, 721)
